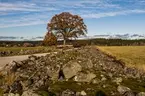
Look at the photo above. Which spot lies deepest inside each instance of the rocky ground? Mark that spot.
(7, 59)
(76, 72)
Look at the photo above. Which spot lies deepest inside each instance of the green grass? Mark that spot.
(31, 50)
(134, 85)
(14, 49)
(133, 56)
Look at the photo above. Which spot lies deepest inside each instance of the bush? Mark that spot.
(28, 45)
(79, 43)
(50, 39)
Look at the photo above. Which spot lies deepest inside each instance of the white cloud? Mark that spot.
(109, 14)
(38, 12)
(31, 19)
(8, 7)
(22, 24)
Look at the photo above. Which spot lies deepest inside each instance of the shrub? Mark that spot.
(79, 43)
(28, 45)
(50, 39)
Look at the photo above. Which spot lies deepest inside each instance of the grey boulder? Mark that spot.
(71, 69)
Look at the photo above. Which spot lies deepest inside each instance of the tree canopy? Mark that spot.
(66, 25)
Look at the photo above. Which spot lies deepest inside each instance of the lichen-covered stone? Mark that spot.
(122, 89)
(71, 69)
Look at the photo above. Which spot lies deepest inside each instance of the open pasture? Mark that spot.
(133, 56)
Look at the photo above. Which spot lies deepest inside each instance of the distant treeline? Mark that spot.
(101, 42)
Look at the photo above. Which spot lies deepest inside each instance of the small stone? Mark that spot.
(102, 75)
(84, 77)
(122, 89)
(11, 67)
(112, 93)
(32, 57)
(118, 80)
(79, 61)
(104, 86)
(78, 93)
(83, 93)
(110, 75)
(55, 52)
(103, 79)
(39, 83)
(29, 93)
(89, 89)
(96, 81)
(68, 93)
(129, 93)
(89, 64)
(12, 94)
(101, 64)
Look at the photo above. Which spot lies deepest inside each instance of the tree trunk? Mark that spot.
(64, 42)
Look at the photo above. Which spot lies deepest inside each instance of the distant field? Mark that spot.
(133, 56)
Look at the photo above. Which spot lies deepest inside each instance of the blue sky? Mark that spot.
(30, 17)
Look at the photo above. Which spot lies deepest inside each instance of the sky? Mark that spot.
(30, 17)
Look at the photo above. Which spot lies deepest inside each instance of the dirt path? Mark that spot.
(6, 60)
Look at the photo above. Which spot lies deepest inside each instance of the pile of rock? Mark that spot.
(5, 53)
(88, 69)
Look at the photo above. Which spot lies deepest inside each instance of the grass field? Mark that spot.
(19, 48)
(25, 50)
(133, 56)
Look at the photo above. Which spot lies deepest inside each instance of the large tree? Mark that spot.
(66, 25)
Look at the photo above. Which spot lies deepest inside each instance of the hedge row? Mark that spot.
(100, 42)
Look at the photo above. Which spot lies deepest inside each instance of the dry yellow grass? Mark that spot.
(10, 78)
(133, 56)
